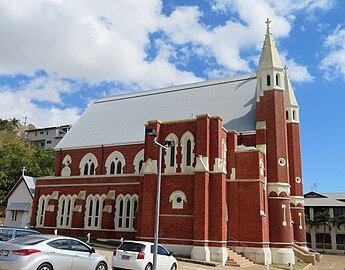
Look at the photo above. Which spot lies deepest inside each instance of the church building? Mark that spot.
(232, 178)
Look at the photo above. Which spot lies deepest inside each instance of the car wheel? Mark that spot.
(45, 266)
(101, 266)
(148, 266)
(173, 267)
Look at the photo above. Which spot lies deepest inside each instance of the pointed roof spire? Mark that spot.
(290, 98)
(269, 55)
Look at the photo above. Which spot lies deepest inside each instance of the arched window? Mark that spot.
(126, 209)
(177, 198)
(268, 80)
(88, 164)
(187, 152)
(277, 79)
(170, 156)
(65, 211)
(41, 209)
(287, 115)
(66, 171)
(93, 211)
(293, 115)
(138, 162)
(115, 163)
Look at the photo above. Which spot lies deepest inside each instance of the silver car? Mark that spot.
(49, 252)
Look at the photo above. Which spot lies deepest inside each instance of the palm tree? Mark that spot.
(341, 221)
(14, 122)
(324, 219)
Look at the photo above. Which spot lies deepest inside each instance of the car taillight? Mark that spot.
(25, 252)
(141, 255)
(114, 252)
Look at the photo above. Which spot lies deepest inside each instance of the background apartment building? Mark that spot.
(334, 203)
(47, 137)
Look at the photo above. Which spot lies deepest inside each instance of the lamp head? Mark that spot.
(169, 143)
(151, 132)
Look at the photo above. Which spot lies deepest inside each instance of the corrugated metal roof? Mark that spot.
(31, 183)
(121, 119)
(329, 199)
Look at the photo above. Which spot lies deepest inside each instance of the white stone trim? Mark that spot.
(115, 157)
(262, 148)
(300, 226)
(202, 164)
(284, 214)
(89, 159)
(136, 162)
(121, 212)
(66, 171)
(94, 215)
(150, 166)
(167, 156)
(295, 200)
(219, 254)
(278, 188)
(175, 196)
(65, 211)
(201, 253)
(283, 255)
(41, 210)
(260, 125)
(184, 139)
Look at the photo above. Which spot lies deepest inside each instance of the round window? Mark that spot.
(298, 179)
(179, 199)
(281, 162)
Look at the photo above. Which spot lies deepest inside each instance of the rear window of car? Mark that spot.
(131, 246)
(28, 240)
(20, 233)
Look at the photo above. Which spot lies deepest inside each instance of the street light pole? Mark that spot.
(152, 132)
(158, 200)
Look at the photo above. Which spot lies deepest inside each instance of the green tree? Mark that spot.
(324, 219)
(15, 153)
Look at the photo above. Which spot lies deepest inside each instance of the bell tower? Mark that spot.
(271, 113)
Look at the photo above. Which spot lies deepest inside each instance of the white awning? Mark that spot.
(19, 207)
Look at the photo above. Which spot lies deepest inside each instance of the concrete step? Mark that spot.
(237, 260)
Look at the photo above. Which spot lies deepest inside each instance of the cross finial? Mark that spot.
(23, 170)
(268, 21)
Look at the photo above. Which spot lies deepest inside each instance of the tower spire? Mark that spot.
(269, 55)
(270, 72)
(292, 107)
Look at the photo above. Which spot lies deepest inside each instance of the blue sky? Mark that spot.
(57, 56)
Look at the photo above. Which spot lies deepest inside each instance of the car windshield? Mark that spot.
(131, 246)
(28, 240)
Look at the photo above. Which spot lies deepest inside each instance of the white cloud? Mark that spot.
(13, 104)
(333, 64)
(93, 42)
(297, 72)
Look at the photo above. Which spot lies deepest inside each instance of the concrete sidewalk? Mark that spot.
(328, 262)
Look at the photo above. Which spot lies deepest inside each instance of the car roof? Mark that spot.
(139, 242)
(17, 228)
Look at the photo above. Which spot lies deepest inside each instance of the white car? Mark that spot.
(49, 252)
(138, 255)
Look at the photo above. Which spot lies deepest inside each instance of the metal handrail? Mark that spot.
(240, 242)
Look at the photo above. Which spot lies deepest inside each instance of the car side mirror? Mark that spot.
(171, 253)
(92, 250)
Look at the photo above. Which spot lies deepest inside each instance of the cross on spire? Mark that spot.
(268, 21)
(24, 170)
